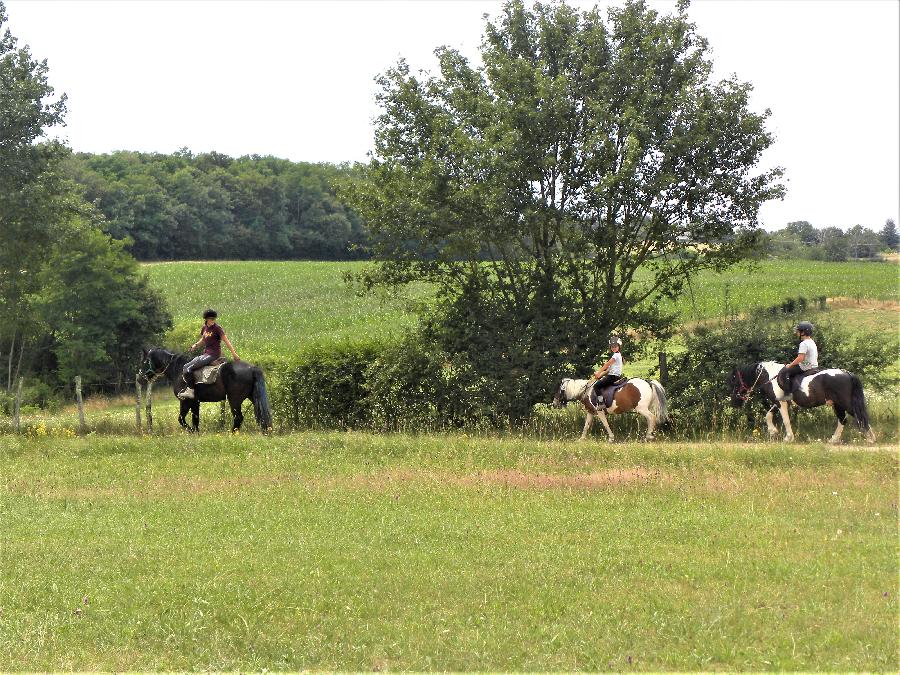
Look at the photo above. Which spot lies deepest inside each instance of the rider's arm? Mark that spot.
(605, 367)
(800, 359)
(228, 342)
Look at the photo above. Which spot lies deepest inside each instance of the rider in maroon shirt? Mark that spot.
(211, 336)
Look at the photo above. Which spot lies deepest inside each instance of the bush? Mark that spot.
(324, 386)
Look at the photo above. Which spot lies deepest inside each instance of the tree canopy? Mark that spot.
(210, 206)
(554, 193)
(71, 300)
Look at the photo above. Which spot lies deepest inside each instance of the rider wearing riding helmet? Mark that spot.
(611, 370)
(211, 336)
(807, 354)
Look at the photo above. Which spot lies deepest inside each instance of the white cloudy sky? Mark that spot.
(295, 80)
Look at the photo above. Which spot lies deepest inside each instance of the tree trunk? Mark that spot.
(19, 362)
(12, 348)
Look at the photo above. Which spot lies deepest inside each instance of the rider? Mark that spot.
(611, 370)
(807, 354)
(211, 335)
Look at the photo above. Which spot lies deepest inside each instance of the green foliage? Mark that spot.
(98, 309)
(71, 300)
(557, 193)
(888, 235)
(324, 386)
(210, 206)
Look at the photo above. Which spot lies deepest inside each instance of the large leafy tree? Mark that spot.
(71, 300)
(555, 193)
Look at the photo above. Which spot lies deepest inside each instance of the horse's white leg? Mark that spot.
(602, 415)
(770, 423)
(870, 435)
(836, 436)
(651, 422)
(789, 431)
(588, 423)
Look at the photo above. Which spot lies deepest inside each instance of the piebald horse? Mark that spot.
(831, 386)
(644, 397)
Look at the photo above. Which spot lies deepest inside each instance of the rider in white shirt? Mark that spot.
(611, 370)
(807, 353)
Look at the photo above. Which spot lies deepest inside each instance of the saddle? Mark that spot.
(796, 379)
(605, 400)
(209, 374)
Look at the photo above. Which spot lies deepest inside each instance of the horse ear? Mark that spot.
(143, 352)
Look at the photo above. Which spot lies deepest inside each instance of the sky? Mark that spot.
(296, 80)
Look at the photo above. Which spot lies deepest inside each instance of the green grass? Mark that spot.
(361, 552)
(273, 308)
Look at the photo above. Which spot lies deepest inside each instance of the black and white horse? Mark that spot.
(644, 397)
(838, 388)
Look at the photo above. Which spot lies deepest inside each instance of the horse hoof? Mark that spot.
(788, 439)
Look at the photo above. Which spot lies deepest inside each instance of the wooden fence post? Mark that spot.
(149, 409)
(137, 402)
(18, 404)
(663, 370)
(81, 425)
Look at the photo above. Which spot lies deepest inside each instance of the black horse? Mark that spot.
(831, 386)
(237, 381)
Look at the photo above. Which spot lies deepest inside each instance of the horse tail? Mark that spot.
(261, 401)
(659, 402)
(858, 403)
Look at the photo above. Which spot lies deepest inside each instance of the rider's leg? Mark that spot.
(187, 374)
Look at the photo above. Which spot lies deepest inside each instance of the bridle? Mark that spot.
(744, 391)
(157, 373)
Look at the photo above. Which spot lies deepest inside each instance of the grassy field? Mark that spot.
(275, 307)
(361, 552)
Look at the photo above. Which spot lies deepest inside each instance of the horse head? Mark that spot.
(741, 383)
(560, 398)
(154, 362)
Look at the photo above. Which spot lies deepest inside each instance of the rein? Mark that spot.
(745, 391)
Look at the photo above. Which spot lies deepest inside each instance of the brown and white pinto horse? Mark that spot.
(642, 396)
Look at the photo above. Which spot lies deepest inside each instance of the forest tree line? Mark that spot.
(183, 206)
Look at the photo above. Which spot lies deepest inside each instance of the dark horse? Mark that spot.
(237, 381)
(830, 386)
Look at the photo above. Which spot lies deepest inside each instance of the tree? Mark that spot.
(835, 245)
(803, 231)
(888, 234)
(555, 194)
(30, 211)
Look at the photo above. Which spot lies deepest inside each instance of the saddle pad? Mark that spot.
(209, 374)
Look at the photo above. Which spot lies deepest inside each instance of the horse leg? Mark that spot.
(773, 430)
(588, 423)
(785, 417)
(841, 415)
(182, 413)
(195, 416)
(603, 419)
(651, 423)
(236, 414)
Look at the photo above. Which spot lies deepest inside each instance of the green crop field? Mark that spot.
(363, 552)
(275, 307)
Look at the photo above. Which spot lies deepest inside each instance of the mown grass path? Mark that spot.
(356, 552)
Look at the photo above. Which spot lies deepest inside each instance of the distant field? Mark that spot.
(275, 307)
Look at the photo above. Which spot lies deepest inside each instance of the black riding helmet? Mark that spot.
(210, 314)
(804, 328)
